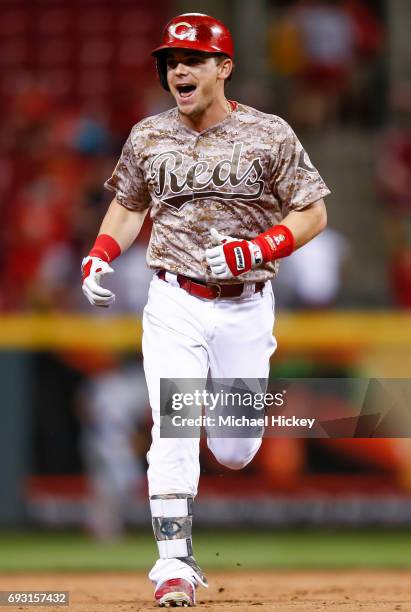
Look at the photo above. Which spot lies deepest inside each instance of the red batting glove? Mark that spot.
(233, 257)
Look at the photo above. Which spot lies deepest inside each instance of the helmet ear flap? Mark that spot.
(161, 62)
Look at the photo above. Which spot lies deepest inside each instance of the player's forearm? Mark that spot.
(232, 257)
(122, 225)
(118, 231)
(307, 223)
(296, 229)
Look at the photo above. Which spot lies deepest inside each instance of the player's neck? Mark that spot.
(212, 115)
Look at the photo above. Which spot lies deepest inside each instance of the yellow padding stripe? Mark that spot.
(302, 330)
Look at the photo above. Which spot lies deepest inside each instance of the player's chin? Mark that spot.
(187, 109)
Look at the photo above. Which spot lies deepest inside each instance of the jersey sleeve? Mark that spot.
(296, 183)
(127, 180)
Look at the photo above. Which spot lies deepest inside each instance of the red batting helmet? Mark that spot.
(193, 31)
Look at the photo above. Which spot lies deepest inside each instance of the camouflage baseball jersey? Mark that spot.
(241, 176)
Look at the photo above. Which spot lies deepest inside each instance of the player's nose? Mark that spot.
(181, 68)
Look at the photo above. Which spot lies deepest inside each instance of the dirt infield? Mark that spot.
(241, 591)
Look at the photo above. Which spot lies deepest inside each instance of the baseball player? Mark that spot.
(230, 191)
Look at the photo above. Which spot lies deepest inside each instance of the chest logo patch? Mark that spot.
(175, 185)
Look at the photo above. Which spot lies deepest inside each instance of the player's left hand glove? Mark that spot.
(232, 256)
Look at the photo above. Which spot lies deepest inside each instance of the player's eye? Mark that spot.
(193, 60)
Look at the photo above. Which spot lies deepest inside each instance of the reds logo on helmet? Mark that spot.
(183, 31)
(193, 31)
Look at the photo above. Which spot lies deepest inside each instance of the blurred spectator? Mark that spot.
(401, 276)
(394, 153)
(394, 182)
(131, 281)
(55, 158)
(321, 44)
(368, 30)
(311, 277)
(114, 405)
(366, 100)
(74, 81)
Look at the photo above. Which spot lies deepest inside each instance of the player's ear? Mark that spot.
(225, 67)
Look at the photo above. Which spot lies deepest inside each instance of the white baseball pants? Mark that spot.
(186, 337)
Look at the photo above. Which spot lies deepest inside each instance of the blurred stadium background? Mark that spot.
(74, 421)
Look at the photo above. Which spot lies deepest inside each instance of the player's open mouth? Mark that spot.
(186, 91)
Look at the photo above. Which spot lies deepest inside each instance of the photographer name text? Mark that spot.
(243, 421)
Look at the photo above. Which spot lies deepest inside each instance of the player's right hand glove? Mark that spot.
(93, 270)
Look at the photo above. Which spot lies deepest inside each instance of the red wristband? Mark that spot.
(106, 248)
(276, 242)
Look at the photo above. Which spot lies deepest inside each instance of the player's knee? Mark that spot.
(235, 458)
(234, 463)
